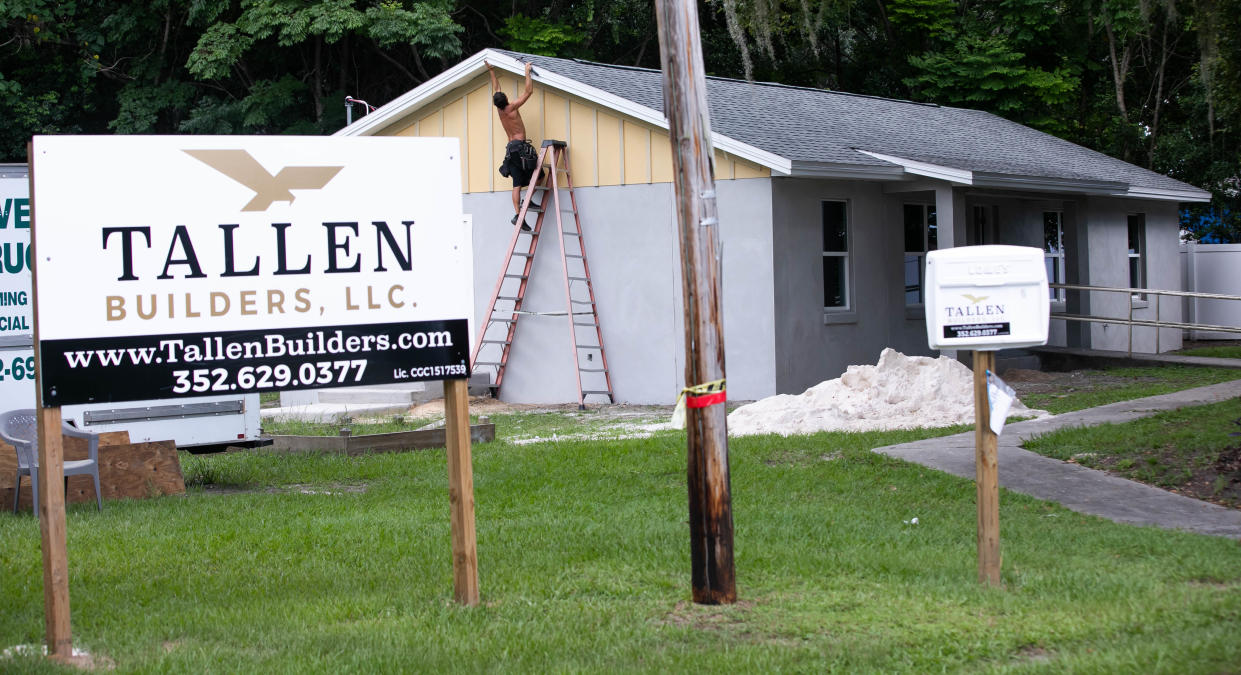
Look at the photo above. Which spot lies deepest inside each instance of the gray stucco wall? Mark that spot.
(811, 345)
(1106, 221)
(632, 247)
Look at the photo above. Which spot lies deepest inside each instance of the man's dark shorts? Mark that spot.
(519, 162)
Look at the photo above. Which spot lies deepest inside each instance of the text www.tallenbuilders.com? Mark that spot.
(217, 348)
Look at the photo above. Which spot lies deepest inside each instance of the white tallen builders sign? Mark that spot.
(173, 266)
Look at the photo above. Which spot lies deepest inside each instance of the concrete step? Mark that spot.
(415, 392)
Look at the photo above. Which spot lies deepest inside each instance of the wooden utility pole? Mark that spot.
(689, 128)
(987, 477)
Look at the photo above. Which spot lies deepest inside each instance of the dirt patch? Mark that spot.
(295, 488)
(710, 617)
(1212, 479)
(1060, 384)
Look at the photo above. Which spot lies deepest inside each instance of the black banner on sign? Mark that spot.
(975, 330)
(95, 370)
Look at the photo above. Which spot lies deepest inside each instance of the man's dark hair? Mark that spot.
(500, 100)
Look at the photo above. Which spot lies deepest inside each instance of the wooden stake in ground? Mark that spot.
(51, 507)
(689, 127)
(987, 478)
(461, 493)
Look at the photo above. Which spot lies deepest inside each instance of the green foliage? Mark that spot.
(984, 72)
(428, 26)
(539, 36)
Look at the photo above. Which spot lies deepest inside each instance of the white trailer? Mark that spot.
(199, 423)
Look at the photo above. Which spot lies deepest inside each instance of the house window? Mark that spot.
(1053, 251)
(1137, 253)
(920, 236)
(835, 256)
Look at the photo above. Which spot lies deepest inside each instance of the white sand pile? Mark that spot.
(900, 392)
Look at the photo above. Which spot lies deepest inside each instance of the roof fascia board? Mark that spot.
(1090, 187)
(1191, 195)
(960, 176)
(408, 102)
(451, 77)
(802, 169)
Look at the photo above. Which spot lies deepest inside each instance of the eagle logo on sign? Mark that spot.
(268, 188)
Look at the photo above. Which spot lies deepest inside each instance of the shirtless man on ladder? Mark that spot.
(519, 155)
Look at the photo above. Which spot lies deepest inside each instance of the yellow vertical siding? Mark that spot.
(744, 169)
(611, 152)
(433, 124)
(478, 136)
(454, 126)
(661, 158)
(606, 149)
(637, 153)
(583, 151)
(723, 166)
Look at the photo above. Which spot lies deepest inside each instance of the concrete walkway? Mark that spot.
(1076, 487)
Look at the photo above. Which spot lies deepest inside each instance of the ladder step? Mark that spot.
(605, 392)
(516, 276)
(587, 346)
(581, 302)
(573, 255)
(572, 234)
(487, 363)
(593, 370)
(508, 297)
(585, 323)
(495, 342)
(579, 278)
(494, 320)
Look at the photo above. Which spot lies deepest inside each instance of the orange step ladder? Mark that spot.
(494, 343)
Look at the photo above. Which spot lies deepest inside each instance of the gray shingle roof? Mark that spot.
(821, 126)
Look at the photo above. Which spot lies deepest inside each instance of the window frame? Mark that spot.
(1057, 255)
(846, 255)
(1136, 222)
(929, 222)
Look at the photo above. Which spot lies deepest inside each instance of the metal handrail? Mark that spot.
(1156, 323)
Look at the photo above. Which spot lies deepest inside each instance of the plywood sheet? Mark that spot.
(126, 471)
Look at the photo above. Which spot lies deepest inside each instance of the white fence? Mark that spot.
(1211, 268)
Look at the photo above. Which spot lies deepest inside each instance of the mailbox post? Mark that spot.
(986, 298)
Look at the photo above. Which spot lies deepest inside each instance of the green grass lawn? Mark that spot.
(1220, 352)
(1195, 450)
(1109, 385)
(334, 564)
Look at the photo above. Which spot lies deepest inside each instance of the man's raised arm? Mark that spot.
(495, 84)
(525, 94)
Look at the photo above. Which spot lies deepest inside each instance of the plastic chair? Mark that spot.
(19, 429)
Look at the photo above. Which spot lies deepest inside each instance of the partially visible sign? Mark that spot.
(16, 352)
(188, 265)
(15, 315)
(986, 298)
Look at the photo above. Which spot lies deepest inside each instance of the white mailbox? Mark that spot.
(986, 298)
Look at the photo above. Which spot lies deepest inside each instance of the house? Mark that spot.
(828, 203)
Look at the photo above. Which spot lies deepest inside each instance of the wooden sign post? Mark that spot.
(53, 524)
(987, 477)
(461, 493)
(54, 530)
